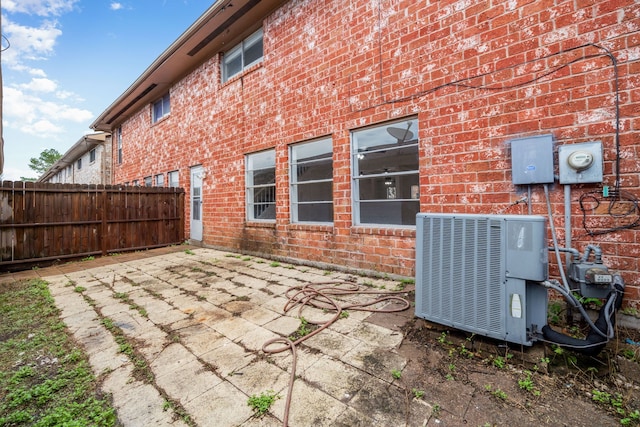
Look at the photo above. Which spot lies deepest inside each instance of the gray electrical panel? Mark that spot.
(532, 160)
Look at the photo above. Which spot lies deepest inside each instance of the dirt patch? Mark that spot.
(478, 381)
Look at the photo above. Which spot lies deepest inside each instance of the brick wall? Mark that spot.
(476, 74)
(90, 172)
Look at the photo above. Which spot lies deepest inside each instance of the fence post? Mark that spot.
(103, 212)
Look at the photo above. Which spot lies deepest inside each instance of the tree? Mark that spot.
(45, 161)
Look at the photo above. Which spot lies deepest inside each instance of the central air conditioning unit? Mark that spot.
(481, 273)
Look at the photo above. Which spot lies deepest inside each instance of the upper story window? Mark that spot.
(261, 185)
(161, 108)
(386, 174)
(79, 163)
(246, 53)
(312, 181)
(92, 156)
(119, 138)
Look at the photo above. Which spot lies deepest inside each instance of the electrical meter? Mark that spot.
(580, 160)
(580, 163)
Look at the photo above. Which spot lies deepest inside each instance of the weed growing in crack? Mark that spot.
(261, 403)
(418, 394)
(435, 410)
(303, 330)
(141, 367)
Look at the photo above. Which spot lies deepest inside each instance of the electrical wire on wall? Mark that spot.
(623, 206)
(623, 209)
(466, 83)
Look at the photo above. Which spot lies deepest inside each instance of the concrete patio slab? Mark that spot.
(195, 322)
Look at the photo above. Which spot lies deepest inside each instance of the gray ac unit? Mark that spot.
(481, 273)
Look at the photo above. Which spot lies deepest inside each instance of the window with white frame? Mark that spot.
(119, 137)
(161, 108)
(173, 179)
(243, 55)
(386, 174)
(79, 163)
(159, 180)
(92, 155)
(148, 182)
(312, 181)
(261, 185)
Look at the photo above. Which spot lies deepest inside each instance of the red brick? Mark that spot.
(474, 76)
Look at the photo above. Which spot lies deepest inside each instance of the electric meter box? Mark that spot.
(532, 160)
(580, 163)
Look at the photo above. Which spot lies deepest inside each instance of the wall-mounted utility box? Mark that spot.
(580, 163)
(532, 160)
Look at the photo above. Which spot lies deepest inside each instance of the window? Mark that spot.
(79, 163)
(261, 185)
(119, 137)
(134, 182)
(312, 181)
(148, 182)
(385, 174)
(161, 108)
(92, 156)
(160, 180)
(243, 55)
(173, 179)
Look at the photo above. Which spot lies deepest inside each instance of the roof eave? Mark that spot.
(219, 27)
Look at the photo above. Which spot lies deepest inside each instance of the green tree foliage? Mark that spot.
(46, 159)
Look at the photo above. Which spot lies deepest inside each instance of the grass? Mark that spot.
(45, 379)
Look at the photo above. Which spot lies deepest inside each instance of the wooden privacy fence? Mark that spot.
(46, 222)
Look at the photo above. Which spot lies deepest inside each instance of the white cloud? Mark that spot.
(65, 94)
(116, 6)
(40, 85)
(34, 115)
(28, 43)
(39, 7)
(42, 128)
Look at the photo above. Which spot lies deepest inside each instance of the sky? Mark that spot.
(65, 61)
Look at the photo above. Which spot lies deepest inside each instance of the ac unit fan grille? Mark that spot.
(463, 273)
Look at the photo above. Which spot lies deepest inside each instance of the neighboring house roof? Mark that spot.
(84, 145)
(225, 23)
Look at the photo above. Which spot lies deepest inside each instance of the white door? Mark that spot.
(196, 203)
